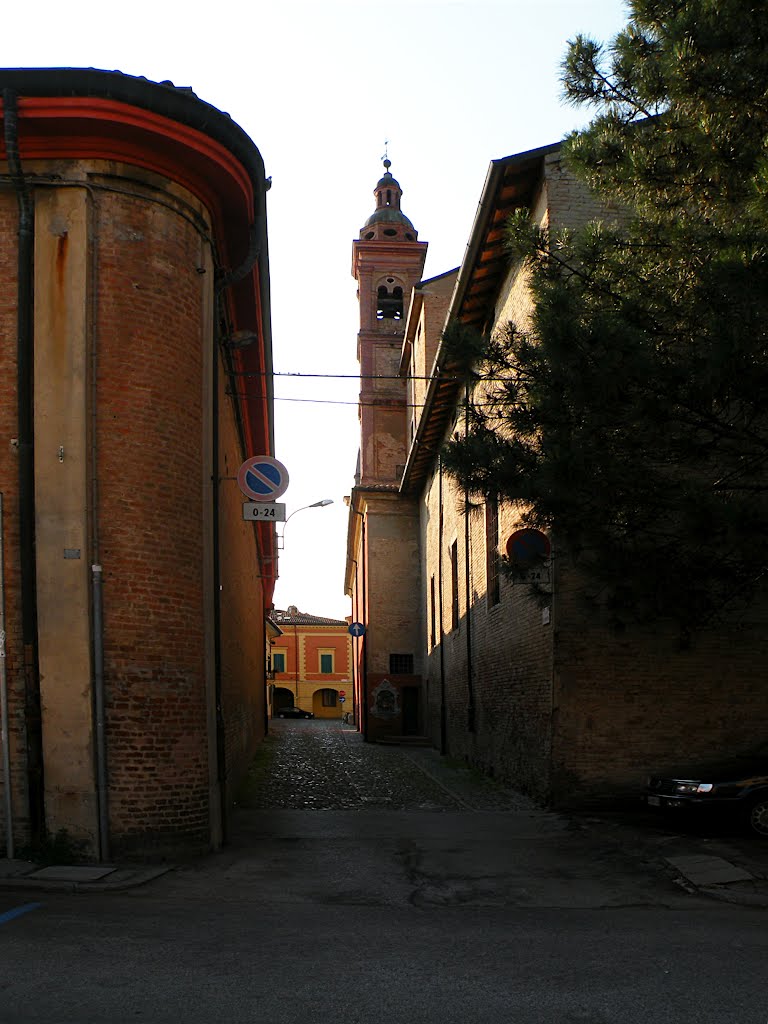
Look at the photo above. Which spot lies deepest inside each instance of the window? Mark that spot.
(278, 661)
(401, 664)
(326, 662)
(454, 562)
(432, 631)
(389, 301)
(492, 549)
(328, 698)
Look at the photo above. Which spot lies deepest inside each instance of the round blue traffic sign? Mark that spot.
(356, 629)
(527, 546)
(262, 478)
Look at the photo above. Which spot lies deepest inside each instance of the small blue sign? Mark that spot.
(356, 629)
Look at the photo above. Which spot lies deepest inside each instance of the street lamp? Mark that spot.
(315, 504)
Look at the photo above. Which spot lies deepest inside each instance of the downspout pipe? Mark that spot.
(102, 788)
(355, 653)
(25, 400)
(468, 592)
(221, 750)
(6, 743)
(443, 708)
(97, 575)
(364, 689)
(296, 664)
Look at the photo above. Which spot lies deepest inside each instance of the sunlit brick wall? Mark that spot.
(150, 515)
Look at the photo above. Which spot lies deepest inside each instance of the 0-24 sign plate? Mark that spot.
(264, 511)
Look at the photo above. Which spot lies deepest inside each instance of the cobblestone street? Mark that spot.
(324, 765)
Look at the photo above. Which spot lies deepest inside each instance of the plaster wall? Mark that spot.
(393, 591)
(62, 502)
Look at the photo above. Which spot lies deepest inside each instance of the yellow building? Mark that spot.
(310, 664)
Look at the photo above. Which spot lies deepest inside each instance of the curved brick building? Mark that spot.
(134, 304)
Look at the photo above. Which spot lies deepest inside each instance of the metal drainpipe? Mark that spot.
(468, 596)
(443, 709)
(468, 589)
(364, 638)
(97, 577)
(221, 753)
(355, 673)
(26, 455)
(99, 714)
(296, 662)
(9, 848)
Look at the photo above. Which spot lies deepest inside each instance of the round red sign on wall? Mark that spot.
(528, 545)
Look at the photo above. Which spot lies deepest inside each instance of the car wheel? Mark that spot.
(757, 817)
(281, 715)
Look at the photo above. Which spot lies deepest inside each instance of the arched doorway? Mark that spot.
(325, 703)
(283, 699)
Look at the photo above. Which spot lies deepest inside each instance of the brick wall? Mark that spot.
(504, 672)
(9, 487)
(150, 290)
(150, 449)
(634, 702)
(567, 709)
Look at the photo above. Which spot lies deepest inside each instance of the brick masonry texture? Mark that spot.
(9, 486)
(150, 291)
(565, 708)
(150, 443)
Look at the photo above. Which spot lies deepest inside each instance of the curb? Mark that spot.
(118, 879)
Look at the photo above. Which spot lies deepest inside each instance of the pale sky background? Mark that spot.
(321, 88)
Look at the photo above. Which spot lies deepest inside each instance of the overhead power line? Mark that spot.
(338, 376)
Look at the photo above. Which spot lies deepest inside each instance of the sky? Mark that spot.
(325, 88)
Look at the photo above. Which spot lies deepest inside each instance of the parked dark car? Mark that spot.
(294, 712)
(737, 788)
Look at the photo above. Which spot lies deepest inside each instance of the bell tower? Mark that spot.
(387, 261)
(383, 568)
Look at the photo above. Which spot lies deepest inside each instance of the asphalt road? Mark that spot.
(370, 884)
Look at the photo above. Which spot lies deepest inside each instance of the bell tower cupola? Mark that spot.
(388, 221)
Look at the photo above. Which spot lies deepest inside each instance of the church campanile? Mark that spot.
(383, 567)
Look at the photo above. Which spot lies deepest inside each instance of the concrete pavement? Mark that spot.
(456, 837)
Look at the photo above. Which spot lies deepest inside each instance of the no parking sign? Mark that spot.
(262, 478)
